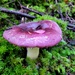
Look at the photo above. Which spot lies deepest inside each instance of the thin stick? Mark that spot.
(59, 10)
(8, 3)
(16, 13)
(31, 10)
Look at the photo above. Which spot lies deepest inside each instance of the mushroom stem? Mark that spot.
(33, 52)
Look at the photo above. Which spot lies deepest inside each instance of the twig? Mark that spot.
(8, 3)
(70, 19)
(31, 10)
(60, 13)
(71, 27)
(9, 21)
(16, 13)
(59, 10)
(56, 1)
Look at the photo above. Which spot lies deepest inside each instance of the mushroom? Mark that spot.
(34, 35)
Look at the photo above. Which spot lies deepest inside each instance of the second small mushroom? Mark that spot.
(34, 35)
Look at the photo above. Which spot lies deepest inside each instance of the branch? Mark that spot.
(8, 3)
(71, 27)
(59, 10)
(16, 13)
(32, 10)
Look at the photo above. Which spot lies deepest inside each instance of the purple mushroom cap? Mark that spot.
(41, 34)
